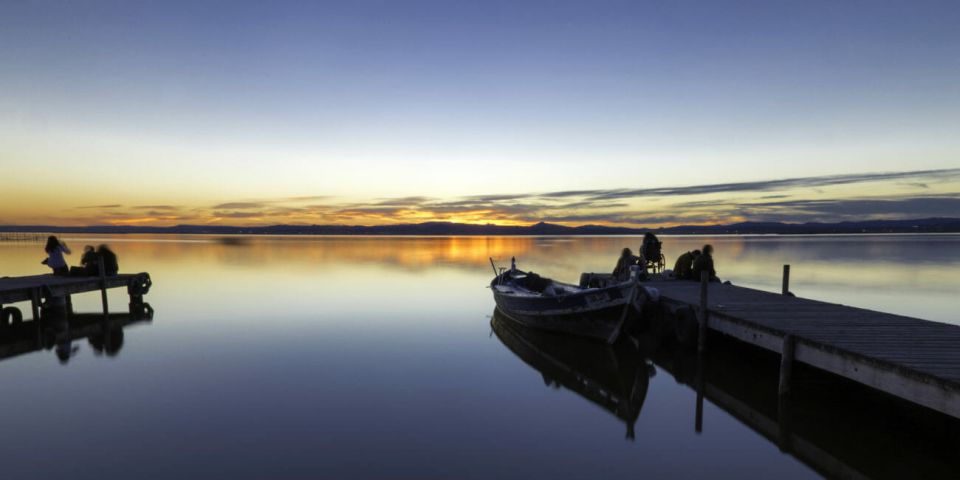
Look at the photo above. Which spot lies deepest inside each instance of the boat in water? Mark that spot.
(614, 377)
(598, 310)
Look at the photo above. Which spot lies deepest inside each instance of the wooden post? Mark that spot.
(786, 279)
(786, 364)
(35, 303)
(103, 286)
(702, 333)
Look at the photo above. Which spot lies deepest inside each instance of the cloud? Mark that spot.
(224, 214)
(113, 205)
(239, 205)
(156, 207)
(925, 206)
(761, 186)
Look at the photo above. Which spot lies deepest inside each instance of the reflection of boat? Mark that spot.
(615, 377)
(539, 302)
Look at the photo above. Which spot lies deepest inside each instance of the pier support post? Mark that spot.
(702, 332)
(786, 280)
(103, 287)
(35, 303)
(786, 364)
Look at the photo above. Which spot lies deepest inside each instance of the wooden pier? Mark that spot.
(913, 359)
(51, 289)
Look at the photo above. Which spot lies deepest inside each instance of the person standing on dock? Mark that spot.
(55, 250)
(704, 263)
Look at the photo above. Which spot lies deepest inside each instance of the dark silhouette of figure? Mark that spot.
(109, 342)
(89, 263)
(110, 266)
(622, 270)
(683, 269)
(650, 250)
(704, 263)
(55, 250)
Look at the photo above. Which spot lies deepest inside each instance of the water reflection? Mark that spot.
(614, 377)
(59, 330)
(838, 428)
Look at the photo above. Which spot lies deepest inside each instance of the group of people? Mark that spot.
(691, 265)
(688, 266)
(89, 261)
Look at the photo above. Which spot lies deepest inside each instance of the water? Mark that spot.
(352, 357)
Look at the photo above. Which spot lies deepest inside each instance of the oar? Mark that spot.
(494, 267)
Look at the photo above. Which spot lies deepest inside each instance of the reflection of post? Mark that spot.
(783, 421)
(786, 364)
(103, 285)
(35, 303)
(786, 280)
(702, 333)
(700, 381)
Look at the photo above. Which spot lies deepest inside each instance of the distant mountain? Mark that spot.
(925, 225)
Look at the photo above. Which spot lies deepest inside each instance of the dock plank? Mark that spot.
(904, 353)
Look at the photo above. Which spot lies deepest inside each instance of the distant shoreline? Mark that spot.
(926, 225)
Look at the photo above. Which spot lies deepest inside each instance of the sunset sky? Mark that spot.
(370, 112)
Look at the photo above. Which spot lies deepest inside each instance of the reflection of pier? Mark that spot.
(613, 377)
(838, 428)
(56, 327)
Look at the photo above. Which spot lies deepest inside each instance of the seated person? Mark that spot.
(88, 264)
(704, 263)
(110, 266)
(683, 269)
(622, 270)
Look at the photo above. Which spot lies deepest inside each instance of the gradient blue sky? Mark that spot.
(312, 112)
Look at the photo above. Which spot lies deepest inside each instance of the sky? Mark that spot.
(370, 112)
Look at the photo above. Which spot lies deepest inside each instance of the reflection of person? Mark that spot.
(109, 342)
(622, 270)
(683, 269)
(110, 266)
(55, 250)
(704, 263)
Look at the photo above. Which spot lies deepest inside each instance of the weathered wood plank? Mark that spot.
(915, 359)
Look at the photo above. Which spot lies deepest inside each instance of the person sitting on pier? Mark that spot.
(55, 250)
(683, 269)
(110, 266)
(88, 264)
(650, 252)
(622, 270)
(704, 263)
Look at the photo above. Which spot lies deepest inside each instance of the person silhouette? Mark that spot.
(55, 250)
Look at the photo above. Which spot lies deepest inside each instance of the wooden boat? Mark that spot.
(614, 377)
(598, 312)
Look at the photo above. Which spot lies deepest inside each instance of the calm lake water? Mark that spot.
(346, 357)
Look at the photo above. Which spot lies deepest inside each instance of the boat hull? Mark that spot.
(592, 313)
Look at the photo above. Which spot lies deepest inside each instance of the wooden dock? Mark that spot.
(913, 359)
(44, 289)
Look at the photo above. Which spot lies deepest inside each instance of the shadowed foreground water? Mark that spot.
(369, 357)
